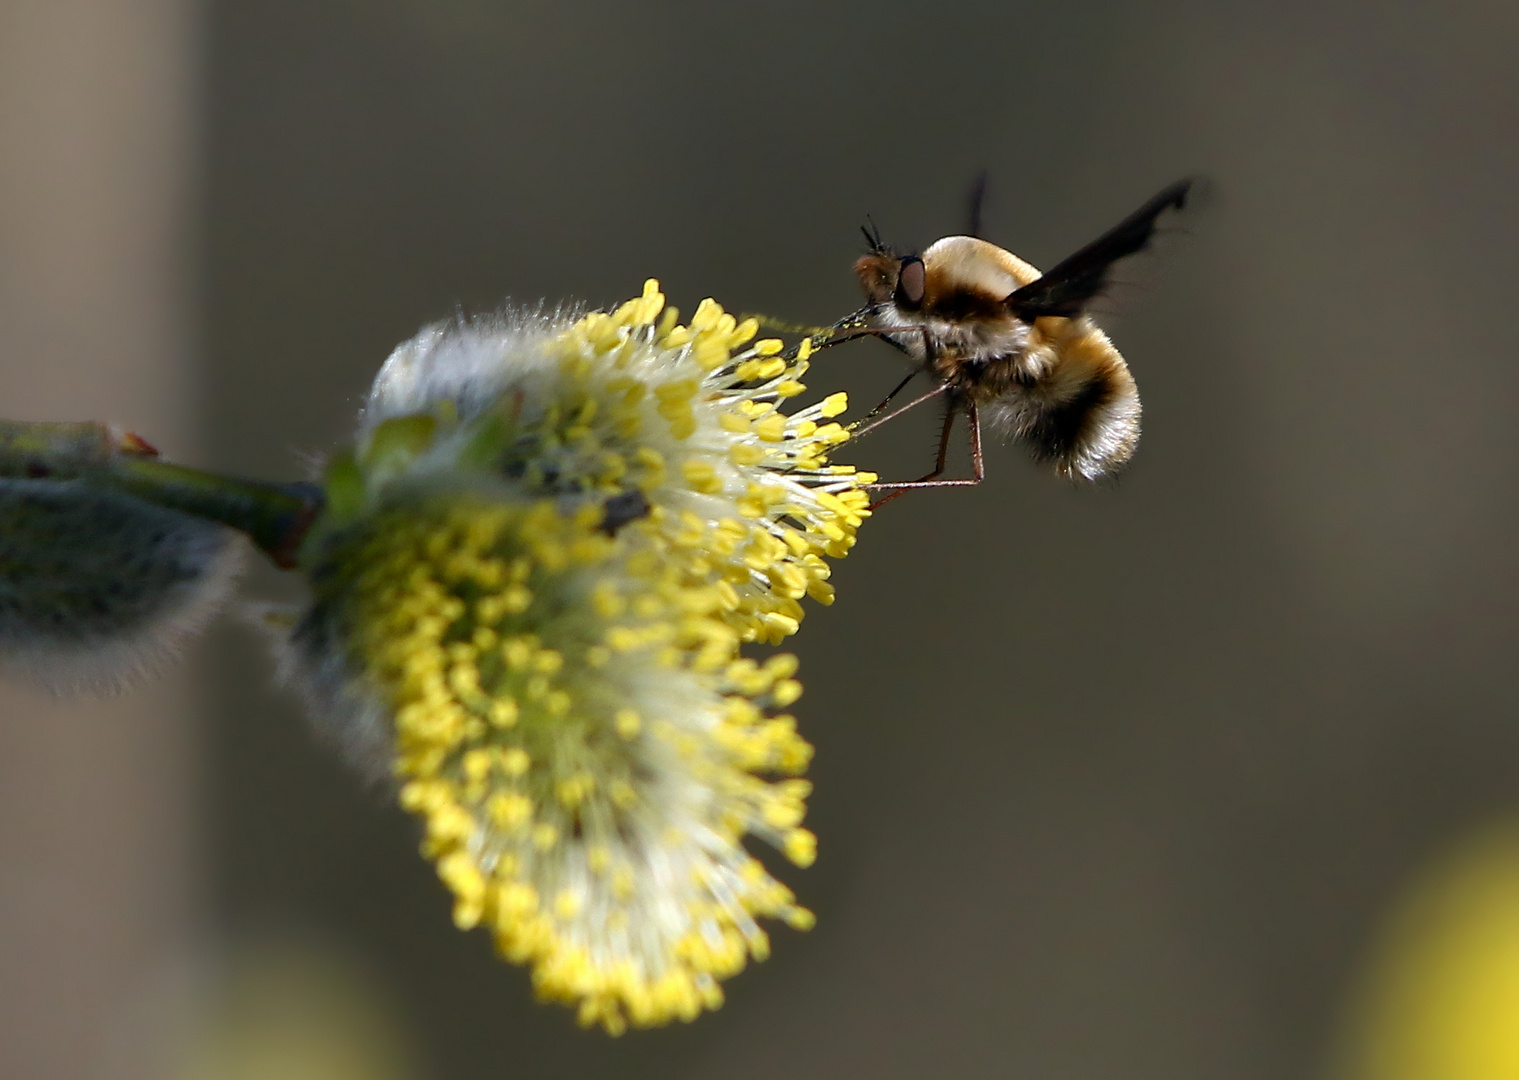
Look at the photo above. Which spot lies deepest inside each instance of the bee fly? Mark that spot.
(1003, 341)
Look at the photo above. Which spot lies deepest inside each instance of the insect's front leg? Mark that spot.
(913, 404)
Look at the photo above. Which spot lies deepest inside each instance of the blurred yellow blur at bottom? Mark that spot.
(1440, 1000)
(292, 1012)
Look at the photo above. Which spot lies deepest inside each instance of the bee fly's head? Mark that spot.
(957, 277)
(887, 277)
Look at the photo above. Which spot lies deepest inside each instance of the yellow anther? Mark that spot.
(772, 428)
(799, 918)
(710, 353)
(509, 810)
(781, 625)
(742, 333)
(701, 475)
(628, 723)
(782, 666)
(706, 315)
(466, 882)
(676, 391)
(623, 883)
(683, 424)
(517, 653)
(572, 791)
(476, 764)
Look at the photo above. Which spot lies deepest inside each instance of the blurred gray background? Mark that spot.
(1111, 783)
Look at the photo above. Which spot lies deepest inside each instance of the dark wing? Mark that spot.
(1066, 288)
(974, 203)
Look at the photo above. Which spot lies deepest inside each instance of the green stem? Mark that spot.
(276, 517)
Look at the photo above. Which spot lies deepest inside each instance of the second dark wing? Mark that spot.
(1066, 288)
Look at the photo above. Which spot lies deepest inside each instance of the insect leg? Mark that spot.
(873, 413)
(914, 403)
(978, 464)
(951, 407)
(931, 480)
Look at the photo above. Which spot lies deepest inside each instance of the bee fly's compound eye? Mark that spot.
(910, 282)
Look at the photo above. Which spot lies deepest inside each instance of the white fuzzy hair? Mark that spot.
(98, 588)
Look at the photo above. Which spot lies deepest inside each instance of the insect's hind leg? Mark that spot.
(931, 480)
